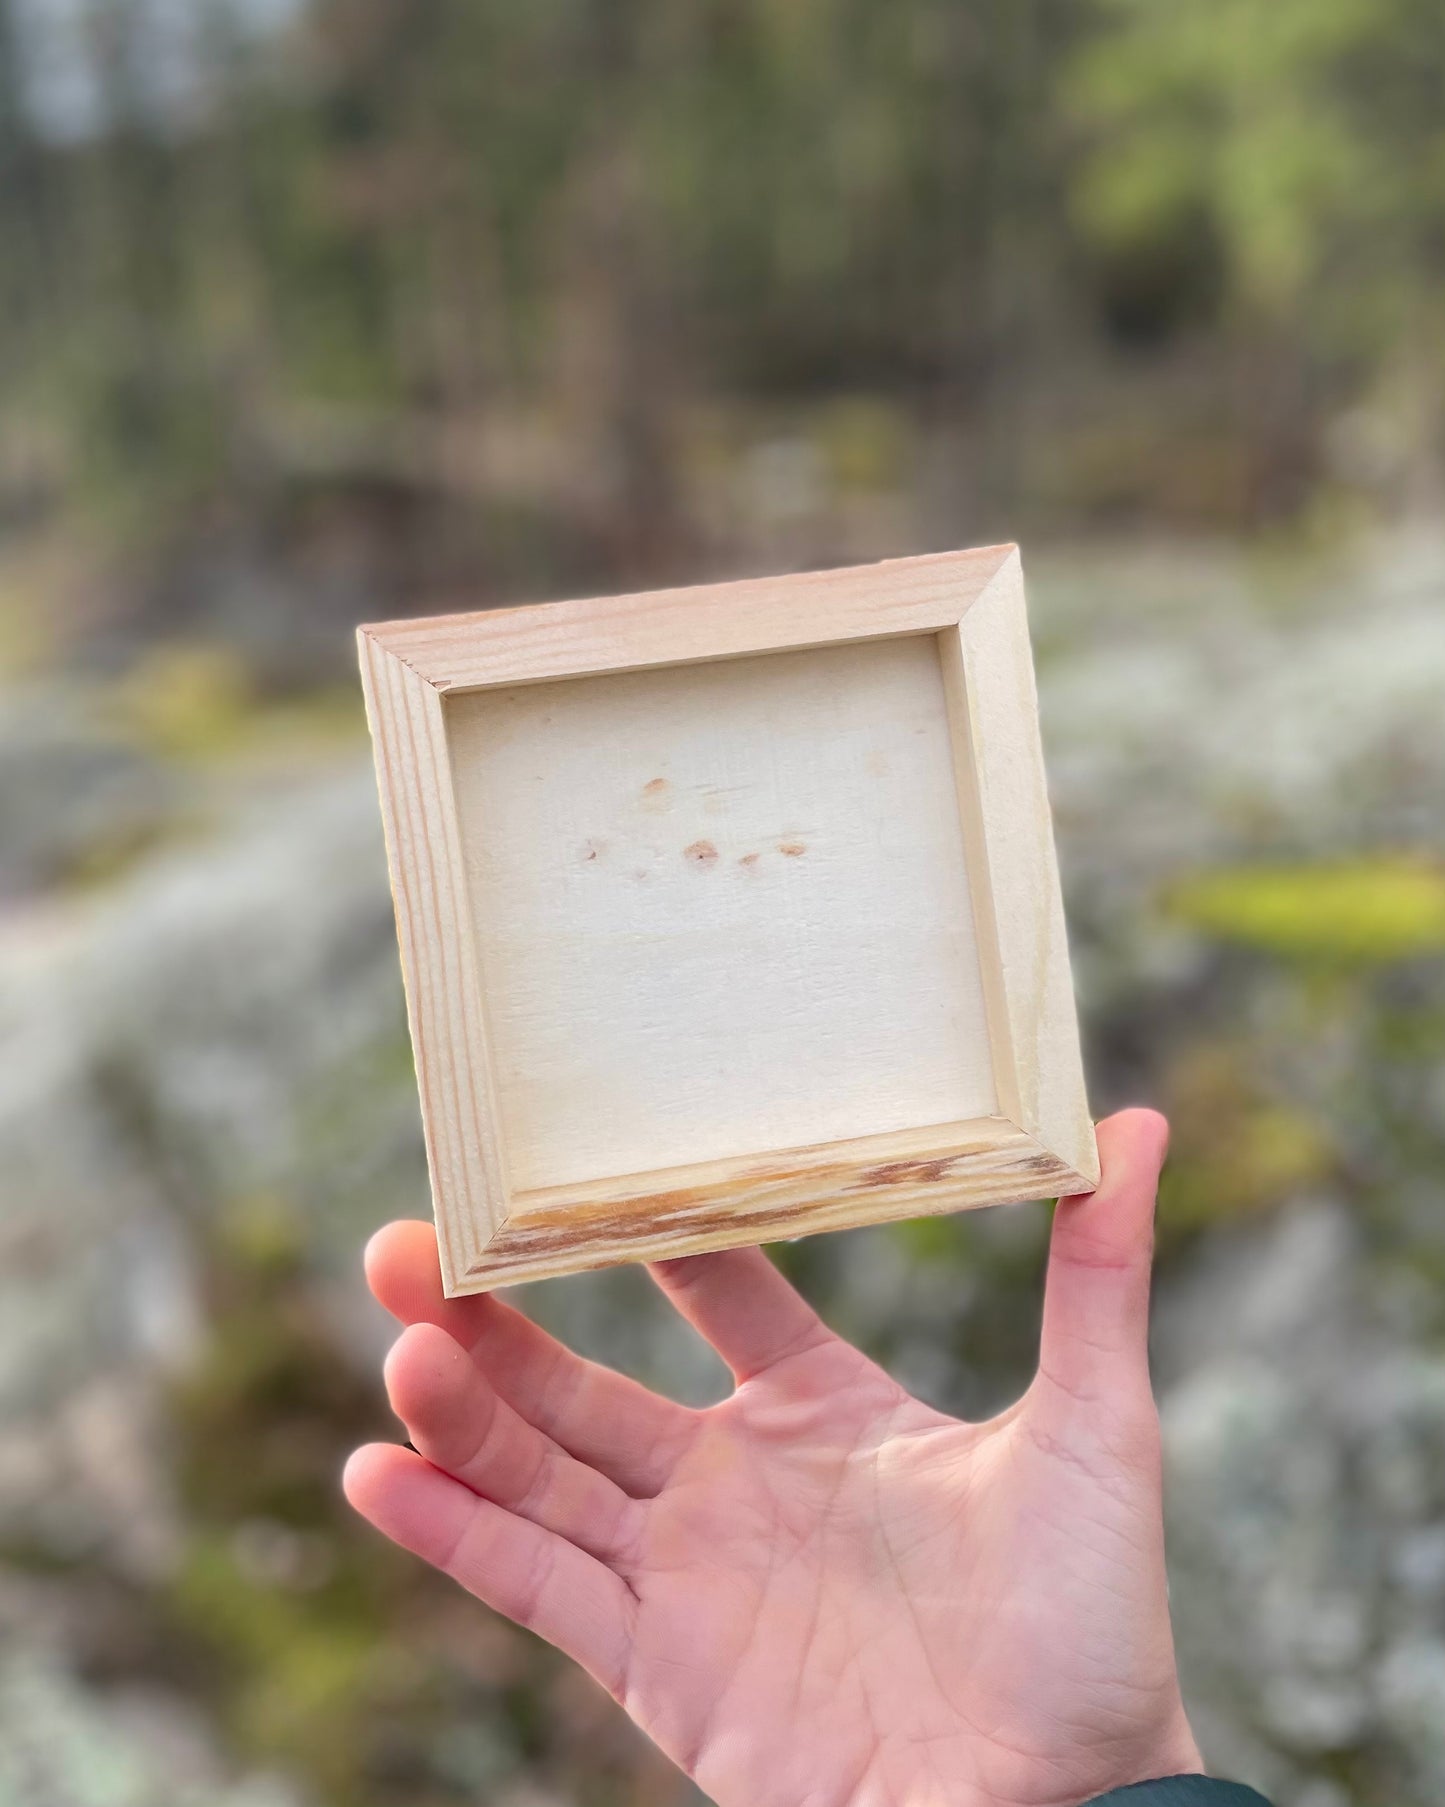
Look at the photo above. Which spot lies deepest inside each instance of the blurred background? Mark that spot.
(319, 311)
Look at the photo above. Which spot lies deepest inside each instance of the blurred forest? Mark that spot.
(315, 311)
(319, 311)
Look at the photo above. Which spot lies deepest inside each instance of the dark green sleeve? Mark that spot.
(1181, 1791)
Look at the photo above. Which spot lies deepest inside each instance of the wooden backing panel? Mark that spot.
(720, 908)
(445, 1009)
(724, 1205)
(675, 627)
(1030, 984)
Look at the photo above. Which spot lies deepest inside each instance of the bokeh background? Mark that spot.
(318, 311)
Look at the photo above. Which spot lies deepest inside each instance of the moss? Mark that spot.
(351, 1089)
(1354, 913)
(114, 856)
(322, 1651)
(931, 1239)
(196, 703)
(865, 444)
(298, 1663)
(185, 700)
(292, 1605)
(1236, 1150)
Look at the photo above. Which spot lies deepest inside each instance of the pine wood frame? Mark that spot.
(1041, 1142)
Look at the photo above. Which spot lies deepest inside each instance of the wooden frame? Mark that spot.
(496, 924)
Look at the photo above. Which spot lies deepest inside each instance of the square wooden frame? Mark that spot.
(1041, 1142)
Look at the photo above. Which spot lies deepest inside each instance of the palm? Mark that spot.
(820, 1590)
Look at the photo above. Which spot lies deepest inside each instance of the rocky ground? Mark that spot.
(206, 1104)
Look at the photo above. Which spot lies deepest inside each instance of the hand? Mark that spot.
(821, 1592)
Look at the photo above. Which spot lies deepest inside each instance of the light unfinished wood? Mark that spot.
(727, 914)
(752, 867)
(446, 1011)
(722, 1204)
(682, 627)
(989, 670)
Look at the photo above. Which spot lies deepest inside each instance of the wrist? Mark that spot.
(1085, 1775)
(1196, 1790)
(1174, 1755)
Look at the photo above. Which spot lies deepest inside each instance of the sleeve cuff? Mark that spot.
(1181, 1791)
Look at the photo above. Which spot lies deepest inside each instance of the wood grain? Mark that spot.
(445, 1008)
(680, 627)
(880, 1179)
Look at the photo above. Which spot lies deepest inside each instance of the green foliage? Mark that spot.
(387, 226)
(1361, 912)
(1306, 134)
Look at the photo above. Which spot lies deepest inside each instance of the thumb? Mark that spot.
(1096, 1297)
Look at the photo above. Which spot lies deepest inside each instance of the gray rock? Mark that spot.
(64, 1745)
(69, 791)
(226, 1024)
(1301, 1629)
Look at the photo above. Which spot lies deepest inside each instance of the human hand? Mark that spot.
(820, 1592)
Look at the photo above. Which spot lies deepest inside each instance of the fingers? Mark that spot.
(1096, 1299)
(534, 1577)
(404, 1272)
(458, 1423)
(743, 1306)
(605, 1420)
